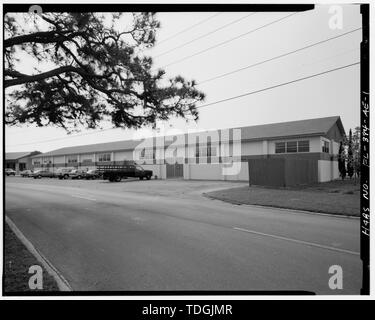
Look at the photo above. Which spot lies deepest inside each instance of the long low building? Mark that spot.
(214, 155)
(19, 161)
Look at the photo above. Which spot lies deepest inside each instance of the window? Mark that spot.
(292, 146)
(212, 152)
(325, 146)
(72, 159)
(86, 158)
(104, 157)
(206, 152)
(37, 163)
(202, 152)
(280, 147)
(147, 154)
(304, 146)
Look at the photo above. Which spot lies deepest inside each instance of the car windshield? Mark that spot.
(91, 171)
(139, 168)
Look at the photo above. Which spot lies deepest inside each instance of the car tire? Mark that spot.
(39, 177)
(148, 177)
(66, 176)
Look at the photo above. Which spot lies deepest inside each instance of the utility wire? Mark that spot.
(230, 40)
(278, 85)
(188, 28)
(220, 101)
(357, 49)
(63, 138)
(277, 57)
(204, 35)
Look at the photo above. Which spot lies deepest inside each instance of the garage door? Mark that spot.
(175, 170)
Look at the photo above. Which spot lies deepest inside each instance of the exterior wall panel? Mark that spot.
(325, 170)
(123, 155)
(282, 172)
(205, 171)
(242, 175)
(252, 148)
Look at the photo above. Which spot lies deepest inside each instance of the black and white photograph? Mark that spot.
(195, 149)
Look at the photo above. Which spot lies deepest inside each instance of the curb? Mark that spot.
(62, 283)
(342, 216)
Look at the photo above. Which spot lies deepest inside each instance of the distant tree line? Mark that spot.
(349, 155)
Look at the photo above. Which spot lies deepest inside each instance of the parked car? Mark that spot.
(42, 174)
(92, 174)
(118, 172)
(26, 173)
(10, 172)
(77, 174)
(63, 173)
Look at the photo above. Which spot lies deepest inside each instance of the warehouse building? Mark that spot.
(214, 155)
(19, 161)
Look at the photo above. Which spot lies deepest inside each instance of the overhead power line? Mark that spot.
(188, 28)
(204, 35)
(217, 102)
(63, 138)
(230, 40)
(279, 85)
(277, 57)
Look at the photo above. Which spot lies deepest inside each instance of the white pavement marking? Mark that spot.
(83, 197)
(298, 241)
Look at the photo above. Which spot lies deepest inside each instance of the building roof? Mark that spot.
(301, 128)
(318, 126)
(17, 155)
(97, 147)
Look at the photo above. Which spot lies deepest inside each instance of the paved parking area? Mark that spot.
(170, 187)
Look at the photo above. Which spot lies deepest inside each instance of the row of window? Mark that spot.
(298, 146)
(205, 152)
(292, 146)
(201, 151)
(103, 157)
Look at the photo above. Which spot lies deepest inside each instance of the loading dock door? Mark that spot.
(175, 170)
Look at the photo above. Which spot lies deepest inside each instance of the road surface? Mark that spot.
(164, 235)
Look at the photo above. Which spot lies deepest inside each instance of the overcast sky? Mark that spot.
(335, 93)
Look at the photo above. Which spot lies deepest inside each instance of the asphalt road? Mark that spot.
(164, 235)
